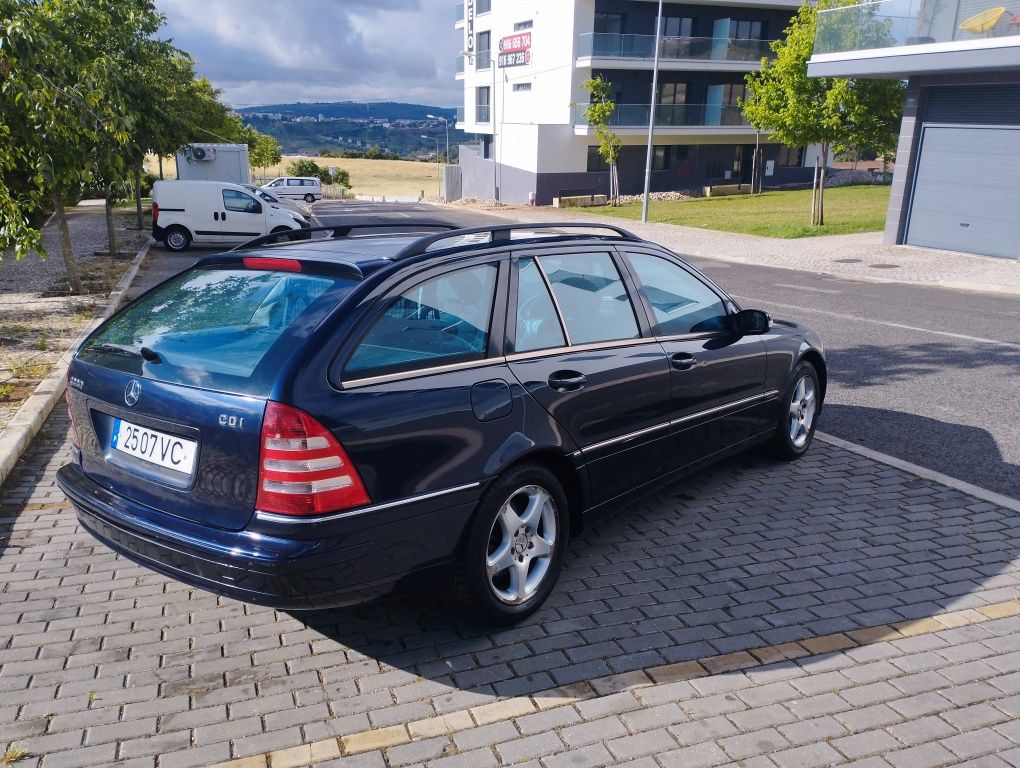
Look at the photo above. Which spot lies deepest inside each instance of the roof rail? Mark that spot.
(502, 232)
(340, 231)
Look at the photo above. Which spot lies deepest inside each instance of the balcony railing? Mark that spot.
(482, 113)
(460, 114)
(483, 59)
(613, 46)
(459, 10)
(460, 65)
(671, 115)
(896, 23)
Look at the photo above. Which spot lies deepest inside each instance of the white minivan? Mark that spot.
(215, 212)
(307, 188)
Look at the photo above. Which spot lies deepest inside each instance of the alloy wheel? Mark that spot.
(803, 407)
(522, 542)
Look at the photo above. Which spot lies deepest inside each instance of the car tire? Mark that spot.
(798, 413)
(177, 238)
(280, 235)
(523, 510)
(309, 198)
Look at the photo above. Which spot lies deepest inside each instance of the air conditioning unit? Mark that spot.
(203, 154)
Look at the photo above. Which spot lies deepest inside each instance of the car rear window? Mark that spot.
(224, 329)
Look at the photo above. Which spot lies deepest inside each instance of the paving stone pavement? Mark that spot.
(105, 663)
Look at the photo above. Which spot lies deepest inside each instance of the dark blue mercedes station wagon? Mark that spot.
(305, 425)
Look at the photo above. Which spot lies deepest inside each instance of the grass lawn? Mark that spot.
(368, 177)
(772, 214)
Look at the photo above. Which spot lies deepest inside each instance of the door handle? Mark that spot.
(215, 215)
(567, 381)
(683, 361)
(223, 216)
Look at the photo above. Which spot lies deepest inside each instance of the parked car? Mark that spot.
(305, 426)
(294, 206)
(307, 188)
(214, 213)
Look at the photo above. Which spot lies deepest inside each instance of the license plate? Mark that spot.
(154, 447)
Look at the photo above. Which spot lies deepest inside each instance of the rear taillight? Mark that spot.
(303, 470)
(155, 212)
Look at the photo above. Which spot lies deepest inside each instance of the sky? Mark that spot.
(278, 51)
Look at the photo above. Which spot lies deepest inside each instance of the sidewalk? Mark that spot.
(858, 257)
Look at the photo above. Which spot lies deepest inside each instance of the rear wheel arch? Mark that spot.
(568, 475)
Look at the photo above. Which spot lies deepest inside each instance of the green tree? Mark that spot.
(266, 152)
(308, 167)
(599, 114)
(838, 113)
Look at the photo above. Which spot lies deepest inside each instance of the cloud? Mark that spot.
(270, 51)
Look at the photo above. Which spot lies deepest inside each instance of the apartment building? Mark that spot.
(958, 161)
(523, 64)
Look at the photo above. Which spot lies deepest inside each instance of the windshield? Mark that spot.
(223, 329)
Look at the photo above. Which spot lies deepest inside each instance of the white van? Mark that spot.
(307, 188)
(215, 212)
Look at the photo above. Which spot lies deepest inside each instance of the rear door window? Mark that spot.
(591, 297)
(223, 329)
(441, 321)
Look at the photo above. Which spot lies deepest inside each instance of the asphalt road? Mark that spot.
(928, 375)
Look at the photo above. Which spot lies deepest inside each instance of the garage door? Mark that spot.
(967, 190)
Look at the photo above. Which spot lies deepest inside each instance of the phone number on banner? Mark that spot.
(515, 59)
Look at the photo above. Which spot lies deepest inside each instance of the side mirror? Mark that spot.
(752, 322)
(255, 207)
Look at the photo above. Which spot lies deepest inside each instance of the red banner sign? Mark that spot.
(515, 50)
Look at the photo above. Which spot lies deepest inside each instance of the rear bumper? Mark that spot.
(287, 574)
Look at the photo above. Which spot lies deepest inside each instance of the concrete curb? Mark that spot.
(928, 474)
(29, 419)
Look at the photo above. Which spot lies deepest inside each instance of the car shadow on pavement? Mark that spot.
(750, 553)
(17, 505)
(961, 451)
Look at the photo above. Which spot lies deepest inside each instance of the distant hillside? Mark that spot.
(353, 110)
(307, 129)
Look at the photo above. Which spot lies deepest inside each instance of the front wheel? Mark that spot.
(280, 235)
(798, 413)
(513, 550)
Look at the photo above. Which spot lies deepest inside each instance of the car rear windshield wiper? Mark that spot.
(145, 353)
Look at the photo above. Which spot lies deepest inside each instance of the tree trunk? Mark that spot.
(73, 278)
(160, 157)
(111, 228)
(138, 198)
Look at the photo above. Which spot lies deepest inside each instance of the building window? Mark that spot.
(522, 87)
(523, 25)
(677, 26)
(482, 108)
(595, 161)
(789, 157)
(660, 158)
(746, 30)
(483, 6)
(672, 97)
(483, 46)
(608, 23)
